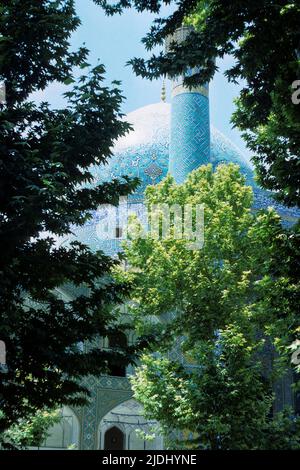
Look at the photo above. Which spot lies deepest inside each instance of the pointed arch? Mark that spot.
(128, 418)
(114, 439)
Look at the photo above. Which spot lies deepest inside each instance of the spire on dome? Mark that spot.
(163, 92)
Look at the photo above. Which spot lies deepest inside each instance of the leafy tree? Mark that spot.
(223, 404)
(45, 156)
(31, 431)
(263, 37)
(219, 311)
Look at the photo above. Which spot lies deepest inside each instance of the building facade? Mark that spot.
(178, 138)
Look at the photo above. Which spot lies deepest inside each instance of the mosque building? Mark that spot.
(175, 138)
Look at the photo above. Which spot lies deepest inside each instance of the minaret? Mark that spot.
(190, 130)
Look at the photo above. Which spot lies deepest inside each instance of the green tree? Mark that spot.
(221, 322)
(30, 432)
(263, 37)
(45, 156)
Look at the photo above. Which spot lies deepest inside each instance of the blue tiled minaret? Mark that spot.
(190, 130)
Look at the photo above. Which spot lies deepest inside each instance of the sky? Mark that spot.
(114, 40)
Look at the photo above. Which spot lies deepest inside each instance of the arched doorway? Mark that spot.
(127, 419)
(114, 439)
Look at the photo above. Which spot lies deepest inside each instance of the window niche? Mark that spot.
(118, 341)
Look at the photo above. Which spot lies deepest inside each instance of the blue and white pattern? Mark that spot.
(190, 134)
(144, 153)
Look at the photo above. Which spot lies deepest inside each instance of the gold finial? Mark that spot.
(163, 92)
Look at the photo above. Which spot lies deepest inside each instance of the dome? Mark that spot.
(144, 153)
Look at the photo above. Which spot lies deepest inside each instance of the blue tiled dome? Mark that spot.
(144, 153)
